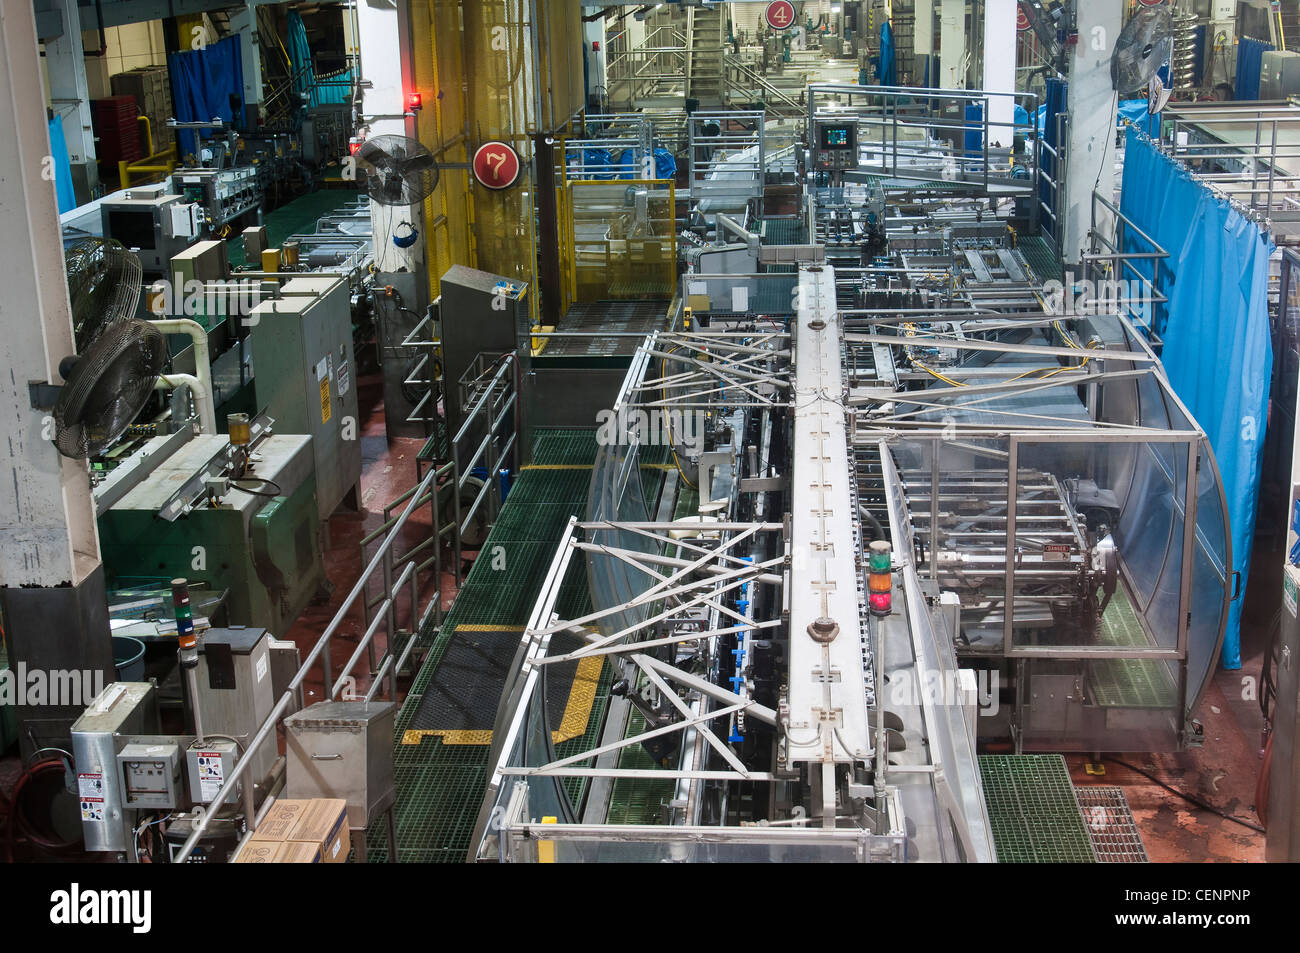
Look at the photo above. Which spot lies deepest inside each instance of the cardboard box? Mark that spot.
(298, 852)
(280, 820)
(274, 852)
(258, 852)
(325, 824)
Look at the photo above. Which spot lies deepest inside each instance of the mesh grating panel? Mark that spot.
(1110, 822)
(1033, 812)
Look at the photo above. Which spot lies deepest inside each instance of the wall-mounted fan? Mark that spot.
(1144, 46)
(103, 286)
(107, 386)
(399, 171)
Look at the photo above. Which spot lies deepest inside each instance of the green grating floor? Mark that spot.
(1042, 258)
(1033, 811)
(440, 786)
(1128, 683)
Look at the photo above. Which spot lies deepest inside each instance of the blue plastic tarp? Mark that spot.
(62, 167)
(1250, 57)
(207, 84)
(1217, 350)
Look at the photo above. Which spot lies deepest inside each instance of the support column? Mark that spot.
(244, 22)
(952, 44)
(51, 583)
(922, 38)
(1093, 108)
(65, 62)
(1000, 69)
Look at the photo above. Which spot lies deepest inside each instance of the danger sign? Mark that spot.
(780, 15)
(496, 165)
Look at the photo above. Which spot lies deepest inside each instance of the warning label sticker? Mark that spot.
(1056, 552)
(90, 786)
(92, 808)
(211, 774)
(344, 378)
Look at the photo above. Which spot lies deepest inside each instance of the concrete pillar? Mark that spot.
(65, 62)
(1093, 109)
(952, 44)
(51, 583)
(387, 75)
(244, 23)
(1000, 68)
(923, 33)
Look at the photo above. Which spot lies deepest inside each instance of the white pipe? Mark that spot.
(202, 399)
(202, 386)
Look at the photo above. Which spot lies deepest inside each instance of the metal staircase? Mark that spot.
(704, 68)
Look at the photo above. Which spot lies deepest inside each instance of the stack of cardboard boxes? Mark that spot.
(151, 89)
(311, 831)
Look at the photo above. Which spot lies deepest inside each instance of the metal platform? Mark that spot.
(1110, 822)
(609, 317)
(1033, 810)
(440, 784)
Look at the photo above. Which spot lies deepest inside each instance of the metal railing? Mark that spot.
(490, 391)
(726, 154)
(1117, 249)
(903, 132)
(405, 584)
(734, 70)
(1248, 152)
(614, 146)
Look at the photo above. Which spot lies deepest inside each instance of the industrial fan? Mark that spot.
(107, 386)
(1144, 46)
(1157, 96)
(399, 170)
(103, 286)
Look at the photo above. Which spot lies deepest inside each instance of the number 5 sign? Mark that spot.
(496, 165)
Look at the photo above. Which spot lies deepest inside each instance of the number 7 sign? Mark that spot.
(496, 165)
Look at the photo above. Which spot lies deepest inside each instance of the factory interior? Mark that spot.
(548, 431)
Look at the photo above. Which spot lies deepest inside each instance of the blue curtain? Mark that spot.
(313, 90)
(1250, 56)
(203, 82)
(62, 166)
(1217, 350)
(888, 62)
(1056, 97)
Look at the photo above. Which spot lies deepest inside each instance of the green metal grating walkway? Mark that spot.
(440, 786)
(1033, 810)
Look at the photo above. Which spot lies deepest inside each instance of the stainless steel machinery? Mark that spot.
(305, 376)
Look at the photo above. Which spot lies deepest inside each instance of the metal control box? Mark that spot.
(123, 708)
(208, 764)
(150, 775)
(342, 750)
(145, 223)
(1279, 74)
(304, 373)
(235, 688)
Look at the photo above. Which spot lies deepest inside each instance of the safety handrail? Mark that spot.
(319, 653)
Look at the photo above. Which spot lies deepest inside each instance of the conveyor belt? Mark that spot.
(595, 317)
(439, 784)
(1034, 813)
(1128, 683)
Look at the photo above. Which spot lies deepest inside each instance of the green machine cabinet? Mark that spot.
(259, 544)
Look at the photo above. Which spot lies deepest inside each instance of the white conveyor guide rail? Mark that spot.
(827, 698)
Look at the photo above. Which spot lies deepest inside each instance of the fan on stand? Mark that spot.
(107, 386)
(1144, 45)
(399, 171)
(103, 286)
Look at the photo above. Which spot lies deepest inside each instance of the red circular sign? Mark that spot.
(1022, 19)
(780, 15)
(496, 165)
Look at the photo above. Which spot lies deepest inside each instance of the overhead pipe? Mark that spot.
(202, 381)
